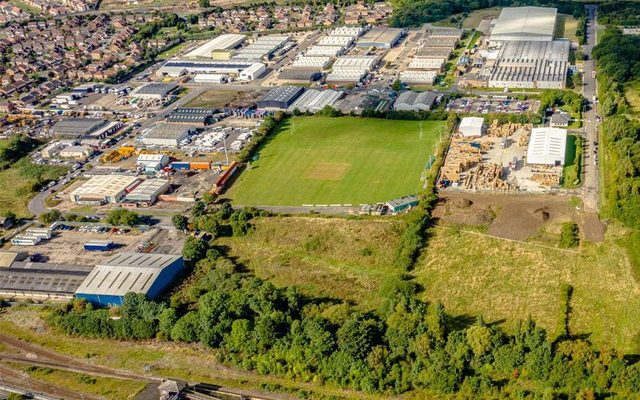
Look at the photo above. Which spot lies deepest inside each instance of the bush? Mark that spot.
(569, 235)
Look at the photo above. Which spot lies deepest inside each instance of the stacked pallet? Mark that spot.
(546, 178)
(462, 155)
(504, 130)
(487, 177)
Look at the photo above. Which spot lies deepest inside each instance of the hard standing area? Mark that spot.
(314, 160)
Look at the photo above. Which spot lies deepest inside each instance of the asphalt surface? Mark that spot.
(589, 89)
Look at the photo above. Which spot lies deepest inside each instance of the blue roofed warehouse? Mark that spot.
(147, 273)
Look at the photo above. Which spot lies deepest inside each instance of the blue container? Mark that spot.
(98, 246)
(180, 165)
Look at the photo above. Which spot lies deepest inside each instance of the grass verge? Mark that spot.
(572, 170)
(107, 388)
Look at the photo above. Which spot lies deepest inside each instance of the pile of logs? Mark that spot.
(504, 130)
(487, 177)
(462, 155)
(546, 178)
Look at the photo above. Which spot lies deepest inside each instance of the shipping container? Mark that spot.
(40, 233)
(180, 165)
(200, 165)
(98, 245)
(25, 240)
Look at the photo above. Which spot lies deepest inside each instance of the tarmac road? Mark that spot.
(590, 91)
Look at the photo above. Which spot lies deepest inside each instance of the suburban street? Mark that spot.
(590, 166)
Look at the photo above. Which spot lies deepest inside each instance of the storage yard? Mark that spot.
(313, 160)
(504, 158)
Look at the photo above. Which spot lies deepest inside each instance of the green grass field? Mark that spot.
(317, 160)
(474, 18)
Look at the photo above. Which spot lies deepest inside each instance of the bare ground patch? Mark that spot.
(327, 171)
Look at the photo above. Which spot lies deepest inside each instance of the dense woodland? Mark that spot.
(415, 12)
(618, 58)
(619, 13)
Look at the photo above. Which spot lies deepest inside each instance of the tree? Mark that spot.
(50, 217)
(204, 3)
(198, 209)
(194, 249)
(240, 223)
(396, 85)
(479, 339)
(121, 216)
(209, 224)
(180, 221)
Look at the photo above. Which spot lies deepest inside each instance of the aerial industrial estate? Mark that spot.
(210, 200)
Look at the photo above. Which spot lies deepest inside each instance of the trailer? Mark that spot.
(99, 245)
(42, 233)
(200, 165)
(25, 240)
(178, 165)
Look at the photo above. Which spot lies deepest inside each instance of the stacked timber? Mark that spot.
(462, 155)
(487, 177)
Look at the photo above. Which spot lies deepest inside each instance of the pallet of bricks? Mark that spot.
(506, 129)
(462, 155)
(487, 177)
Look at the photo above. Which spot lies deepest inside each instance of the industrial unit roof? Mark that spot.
(104, 185)
(524, 21)
(282, 93)
(222, 42)
(161, 89)
(147, 189)
(380, 35)
(168, 131)
(547, 146)
(41, 278)
(78, 126)
(126, 272)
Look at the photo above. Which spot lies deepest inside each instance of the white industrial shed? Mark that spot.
(423, 77)
(350, 31)
(148, 191)
(169, 135)
(211, 78)
(346, 76)
(427, 63)
(547, 146)
(321, 62)
(365, 63)
(222, 42)
(524, 23)
(472, 126)
(103, 189)
(335, 41)
(330, 51)
(253, 72)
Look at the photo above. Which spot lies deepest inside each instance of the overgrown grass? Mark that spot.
(107, 388)
(505, 281)
(214, 98)
(630, 244)
(474, 18)
(17, 184)
(326, 257)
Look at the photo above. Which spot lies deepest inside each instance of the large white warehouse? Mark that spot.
(524, 23)
(547, 146)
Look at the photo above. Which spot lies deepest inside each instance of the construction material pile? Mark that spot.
(506, 129)
(546, 178)
(461, 156)
(487, 177)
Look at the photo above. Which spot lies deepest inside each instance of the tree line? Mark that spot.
(415, 12)
(618, 64)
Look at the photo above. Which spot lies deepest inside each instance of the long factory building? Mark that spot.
(534, 64)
